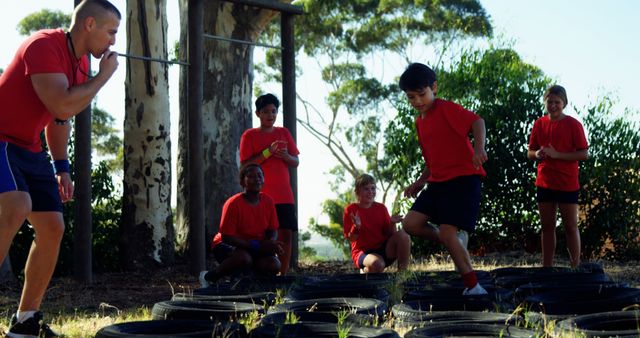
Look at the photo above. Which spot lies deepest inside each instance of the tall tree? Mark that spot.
(147, 222)
(43, 19)
(227, 108)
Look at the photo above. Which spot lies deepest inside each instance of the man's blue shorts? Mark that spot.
(23, 170)
(454, 202)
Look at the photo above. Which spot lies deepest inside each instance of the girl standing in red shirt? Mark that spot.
(558, 142)
(375, 241)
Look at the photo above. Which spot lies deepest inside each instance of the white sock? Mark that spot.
(24, 315)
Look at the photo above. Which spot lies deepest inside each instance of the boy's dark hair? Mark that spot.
(89, 8)
(558, 91)
(364, 179)
(245, 169)
(267, 99)
(417, 76)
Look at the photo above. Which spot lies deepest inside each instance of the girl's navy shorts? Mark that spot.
(23, 170)
(557, 196)
(454, 202)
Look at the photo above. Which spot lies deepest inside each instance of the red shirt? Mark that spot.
(443, 134)
(276, 171)
(247, 221)
(23, 116)
(565, 135)
(375, 227)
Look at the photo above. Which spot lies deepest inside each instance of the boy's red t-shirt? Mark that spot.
(375, 227)
(443, 134)
(565, 135)
(276, 171)
(247, 221)
(23, 115)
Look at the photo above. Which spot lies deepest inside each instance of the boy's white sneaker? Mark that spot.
(475, 291)
(204, 283)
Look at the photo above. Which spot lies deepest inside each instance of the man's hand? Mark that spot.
(65, 186)
(108, 63)
(479, 157)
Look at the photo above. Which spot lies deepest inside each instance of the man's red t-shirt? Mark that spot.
(23, 116)
(247, 221)
(375, 227)
(565, 135)
(276, 171)
(443, 134)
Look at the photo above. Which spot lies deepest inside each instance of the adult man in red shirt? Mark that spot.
(44, 86)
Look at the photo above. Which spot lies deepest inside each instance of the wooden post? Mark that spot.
(196, 174)
(82, 232)
(289, 107)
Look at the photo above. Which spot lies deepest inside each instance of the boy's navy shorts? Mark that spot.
(381, 251)
(223, 250)
(23, 170)
(454, 202)
(557, 196)
(287, 218)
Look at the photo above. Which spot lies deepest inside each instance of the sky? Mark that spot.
(588, 46)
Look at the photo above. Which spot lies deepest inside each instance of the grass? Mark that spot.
(80, 310)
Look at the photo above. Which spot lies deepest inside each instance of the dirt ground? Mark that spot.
(130, 290)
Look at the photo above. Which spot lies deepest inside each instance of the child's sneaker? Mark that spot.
(463, 237)
(475, 291)
(204, 283)
(33, 327)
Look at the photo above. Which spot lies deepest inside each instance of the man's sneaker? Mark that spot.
(463, 237)
(33, 327)
(475, 291)
(204, 283)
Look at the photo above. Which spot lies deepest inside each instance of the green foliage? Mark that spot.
(333, 231)
(610, 198)
(43, 19)
(105, 139)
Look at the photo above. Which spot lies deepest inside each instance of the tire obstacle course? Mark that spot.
(521, 303)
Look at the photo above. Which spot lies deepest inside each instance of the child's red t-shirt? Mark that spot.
(375, 227)
(443, 134)
(565, 135)
(247, 221)
(276, 171)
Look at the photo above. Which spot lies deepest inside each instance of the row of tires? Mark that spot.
(430, 301)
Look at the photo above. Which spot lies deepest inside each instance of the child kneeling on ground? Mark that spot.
(375, 241)
(248, 230)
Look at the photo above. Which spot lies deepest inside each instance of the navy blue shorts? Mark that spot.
(557, 196)
(222, 251)
(381, 251)
(287, 218)
(454, 202)
(23, 170)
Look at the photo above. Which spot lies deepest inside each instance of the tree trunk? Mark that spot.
(227, 105)
(147, 228)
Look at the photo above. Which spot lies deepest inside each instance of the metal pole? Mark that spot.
(196, 174)
(289, 106)
(82, 234)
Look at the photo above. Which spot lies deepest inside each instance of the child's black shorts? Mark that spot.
(454, 202)
(287, 218)
(557, 196)
(223, 251)
(381, 251)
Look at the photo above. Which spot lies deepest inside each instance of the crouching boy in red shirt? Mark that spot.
(248, 230)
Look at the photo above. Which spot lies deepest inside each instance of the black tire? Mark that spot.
(173, 329)
(260, 298)
(443, 279)
(404, 312)
(216, 311)
(469, 330)
(281, 318)
(519, 271)
(577, 302)
(530, 289)
(460, 303)
(494, 294)
(337, 291)
(365, 306)
(569, 278)
(607, 324)
(319, 330)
